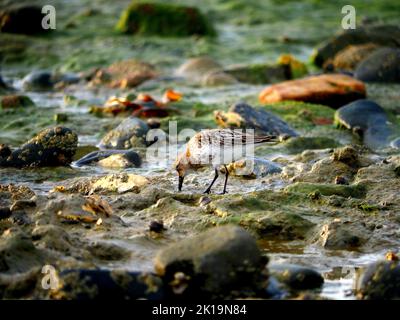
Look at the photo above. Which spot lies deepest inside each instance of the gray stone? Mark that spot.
(130, 133)
(383, 65)
(368, 119)
(219, 260)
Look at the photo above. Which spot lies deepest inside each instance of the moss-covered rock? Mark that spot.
(298, 144)
(15, 101)
(50, 147)
(152, 18)
(379, 281)
(355, 191)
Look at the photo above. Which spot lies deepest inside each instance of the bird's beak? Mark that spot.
(180, 183)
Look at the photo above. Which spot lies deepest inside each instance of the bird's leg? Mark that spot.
(226, 179)
(208, 190)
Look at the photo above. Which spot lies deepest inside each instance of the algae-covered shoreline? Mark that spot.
(321, 205)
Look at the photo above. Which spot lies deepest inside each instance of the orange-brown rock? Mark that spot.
(334, 90)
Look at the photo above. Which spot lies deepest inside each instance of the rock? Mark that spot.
(348, 58)
(333, 90)
(296, 145)
(211, 261)
(253, 167)
(339, 235)
(260, 73)
(60, 117)
(296, 277)
(367, 119)
(127, 160)
(379, 281)
(355, 191)
(130, 133)
(286, 68)
(275, 289)
(38, 81)
(384, 35)
(50, 147)
(84, 284)
(119, 183)
(297, 69)
(347, 155)
(108, 251)
(383, 65)
(15, 101)
(18, 253)
(241, 115)
(325, 171)
(111, 159)
(196, 69)
(5, 213)
(218, 78)
(164, 19)
(124, 74)
(22, 19)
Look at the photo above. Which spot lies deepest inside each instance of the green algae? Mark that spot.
(152, 18)
(356, 191)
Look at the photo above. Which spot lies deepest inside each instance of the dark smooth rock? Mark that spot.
(38, 81)
(383, 65)
(383, 35)
(368, 119)
(51, 147)
(379, 281)
(15, 101)
(263, 122)
(296, 277)
(130, 133)
(132, 157)
(22, 19)
(164, 19)
(212, 263)
(104, 284)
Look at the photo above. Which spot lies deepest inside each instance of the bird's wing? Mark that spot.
(234, 137)
(207, 145)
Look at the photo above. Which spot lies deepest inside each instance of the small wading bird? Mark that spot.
(216, 147)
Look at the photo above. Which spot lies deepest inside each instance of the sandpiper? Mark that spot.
(216, 148)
